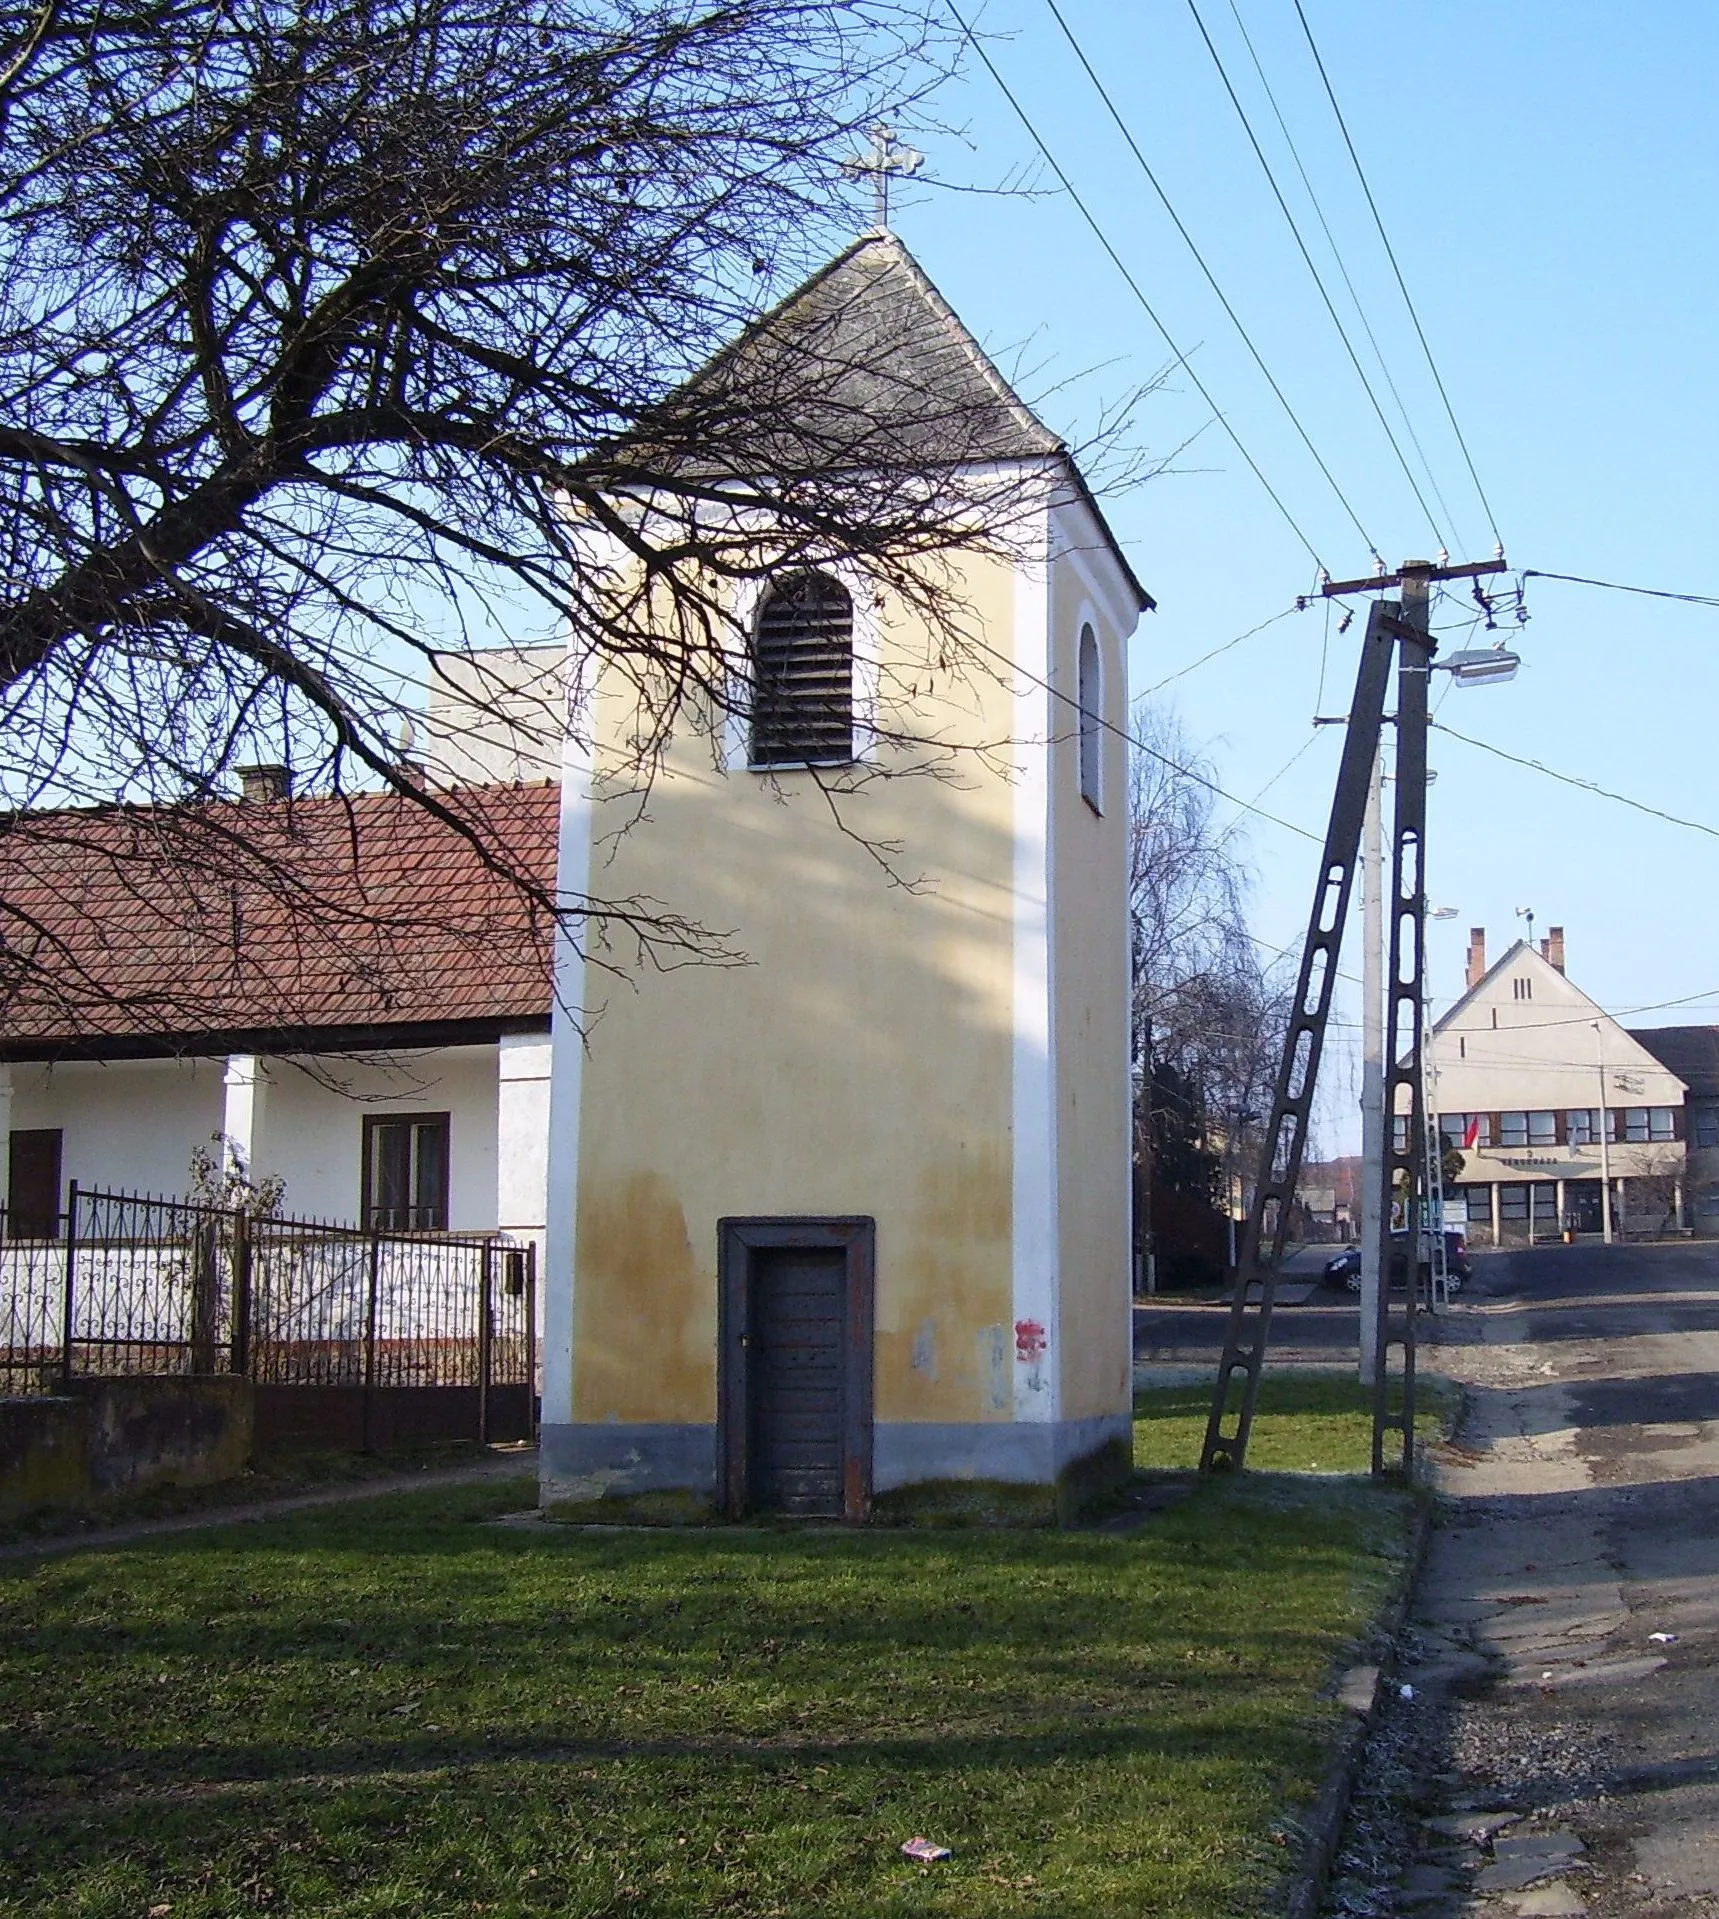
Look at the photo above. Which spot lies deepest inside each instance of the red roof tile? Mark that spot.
(357, 912)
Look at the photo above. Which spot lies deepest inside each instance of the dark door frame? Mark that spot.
(737, 1240)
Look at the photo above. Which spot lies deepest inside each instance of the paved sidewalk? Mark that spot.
(509, 1463)
(1560, 1753)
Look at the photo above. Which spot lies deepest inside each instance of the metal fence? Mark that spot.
(133, 1284)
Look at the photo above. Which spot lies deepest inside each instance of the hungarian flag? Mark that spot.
(1471, 1133)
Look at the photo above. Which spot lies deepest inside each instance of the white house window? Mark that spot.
(1522, 988)
(803, 673)
(406, 1172)
(1091, 722)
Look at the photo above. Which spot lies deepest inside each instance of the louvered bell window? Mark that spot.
(803, 665)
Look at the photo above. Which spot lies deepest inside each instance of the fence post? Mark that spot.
(205, 1257)
(370, 1334)
(531, 1405)
(71, 1275)
(241, 1360)
(486, 1337)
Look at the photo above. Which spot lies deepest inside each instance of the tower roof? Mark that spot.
(867, 358)
(863, 368)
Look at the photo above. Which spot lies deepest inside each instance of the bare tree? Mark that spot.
(1205, 1008)
(1651, 1195)
(335, 334)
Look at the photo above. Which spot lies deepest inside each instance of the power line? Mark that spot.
(1180, 358)
(1599, 1013)
(1342, 265)
(1182, 672)
(1612, 586)
(1307, 257)
(1085, 714)
(1200, 261)
(1402, 284)
(1132, 739)
(1586, 786)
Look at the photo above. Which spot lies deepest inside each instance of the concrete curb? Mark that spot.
(1360, 1691)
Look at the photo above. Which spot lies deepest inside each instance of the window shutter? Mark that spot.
(803, 707)
(33, 1175)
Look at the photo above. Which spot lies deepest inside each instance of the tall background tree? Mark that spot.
(334, 333)
(1209, 1015)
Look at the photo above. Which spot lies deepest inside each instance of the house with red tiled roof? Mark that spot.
(350, 993)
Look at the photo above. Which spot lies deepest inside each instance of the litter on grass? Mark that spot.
(1405, 1692)
(1663, 1638)
(928, 1849)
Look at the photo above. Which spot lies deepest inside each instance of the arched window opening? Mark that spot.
(803, 673)
(1091, 723)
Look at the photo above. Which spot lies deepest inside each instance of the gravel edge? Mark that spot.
(1323, 1825)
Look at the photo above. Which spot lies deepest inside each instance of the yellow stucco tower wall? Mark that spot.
(926, 1029)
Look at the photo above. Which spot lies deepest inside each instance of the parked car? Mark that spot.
(1345, 1269)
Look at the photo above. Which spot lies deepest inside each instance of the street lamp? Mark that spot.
(1480, 666)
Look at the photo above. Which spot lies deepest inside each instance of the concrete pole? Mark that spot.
(1605, 1144)
(245, 1090)
(1372, 1067)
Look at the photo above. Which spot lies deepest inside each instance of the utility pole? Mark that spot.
(1605, 1140)
(1435, 1163)
(1405, 998)
(1372, 1067)
(1390, 629)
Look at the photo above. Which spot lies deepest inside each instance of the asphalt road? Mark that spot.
(1560, 1754)
(1310, 1324)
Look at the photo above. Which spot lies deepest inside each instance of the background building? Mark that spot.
(1520, 1072)
(1692, 1053)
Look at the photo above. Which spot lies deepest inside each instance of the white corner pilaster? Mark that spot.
(567, 1048)
(246, 1089)
(523, 1068)
(1037, 1292)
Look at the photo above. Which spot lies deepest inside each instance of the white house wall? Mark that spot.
(133, 1125)
(313, 1135)
(129, 1125)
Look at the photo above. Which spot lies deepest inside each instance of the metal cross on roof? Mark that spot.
(886, 156)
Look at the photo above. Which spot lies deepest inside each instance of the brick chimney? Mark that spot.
(1476, 955)
(1552, 947)
(263, 783)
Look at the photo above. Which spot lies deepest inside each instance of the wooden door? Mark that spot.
(796, 1352)
(795, 1363)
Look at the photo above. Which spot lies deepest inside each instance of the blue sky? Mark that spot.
(1547, 174)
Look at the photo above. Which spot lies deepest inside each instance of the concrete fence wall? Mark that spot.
(110, 1436)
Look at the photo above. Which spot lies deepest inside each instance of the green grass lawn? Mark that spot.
(1304, 1422)
(391, 1708)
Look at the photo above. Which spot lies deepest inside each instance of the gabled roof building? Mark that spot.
(1547, 1098)
(342, 990)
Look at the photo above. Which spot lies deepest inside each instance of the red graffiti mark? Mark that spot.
(1029, 1340)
